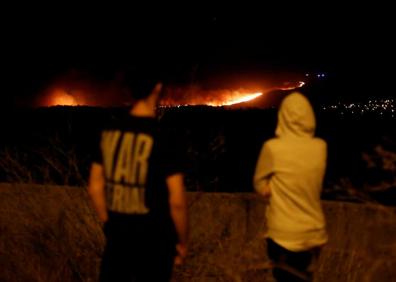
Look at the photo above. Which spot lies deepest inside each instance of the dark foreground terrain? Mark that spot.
(55, 145)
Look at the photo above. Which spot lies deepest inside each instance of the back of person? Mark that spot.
(294, 216)
(137, 188)
(135, 170)
(290, 172)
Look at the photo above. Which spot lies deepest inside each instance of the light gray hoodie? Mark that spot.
(291, 168)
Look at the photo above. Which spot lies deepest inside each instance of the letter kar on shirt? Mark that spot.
(126, 153)
(127, 167)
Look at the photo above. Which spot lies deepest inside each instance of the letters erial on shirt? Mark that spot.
(128, 171)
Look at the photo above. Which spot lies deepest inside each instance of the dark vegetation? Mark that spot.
(55, 146)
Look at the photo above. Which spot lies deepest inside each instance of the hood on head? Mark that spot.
(295, 117)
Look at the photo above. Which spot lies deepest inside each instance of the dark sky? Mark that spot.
(353, 43)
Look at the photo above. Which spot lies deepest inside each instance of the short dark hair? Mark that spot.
(141, 80)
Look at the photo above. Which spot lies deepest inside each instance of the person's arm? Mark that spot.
(96, 191)
(179, 213)
(263, 173)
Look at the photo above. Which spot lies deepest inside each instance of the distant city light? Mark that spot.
(374, 106)
(318, 75)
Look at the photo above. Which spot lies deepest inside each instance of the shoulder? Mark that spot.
(320, 145)
(270, 145)
(272, 142)
(320, 142)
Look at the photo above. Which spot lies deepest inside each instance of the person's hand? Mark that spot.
(181, 254)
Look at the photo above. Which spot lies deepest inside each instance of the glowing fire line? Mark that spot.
(245, 98)
(299, 85)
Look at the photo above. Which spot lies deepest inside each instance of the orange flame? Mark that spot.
(69, 94)
(292, 86)
(236, 99)
(60, 97)
(194, 96)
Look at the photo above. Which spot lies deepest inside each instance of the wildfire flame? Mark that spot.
(193, 96)
(237, 98)
(73, 93)
(292, 87)
(60, 97)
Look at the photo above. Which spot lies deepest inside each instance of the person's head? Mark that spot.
(296, 117)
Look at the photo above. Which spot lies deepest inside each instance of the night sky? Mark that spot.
(352, 44)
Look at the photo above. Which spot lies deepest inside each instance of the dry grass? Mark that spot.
(49, 233)
(227, 241)
(54, 163)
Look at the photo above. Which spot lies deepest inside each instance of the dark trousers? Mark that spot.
(290, 266)
(135, 256)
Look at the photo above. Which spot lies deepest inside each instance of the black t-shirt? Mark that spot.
(137, 155)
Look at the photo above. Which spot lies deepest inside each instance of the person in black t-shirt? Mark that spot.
(137, 188)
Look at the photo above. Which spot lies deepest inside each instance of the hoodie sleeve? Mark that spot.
(264, 170)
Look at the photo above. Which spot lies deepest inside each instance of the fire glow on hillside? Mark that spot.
(89, 94)
(238, 98)
(60, 97)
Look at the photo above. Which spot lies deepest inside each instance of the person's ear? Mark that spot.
(157, 90)
(158, 87)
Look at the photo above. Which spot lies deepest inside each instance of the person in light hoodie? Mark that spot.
(290, 172)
